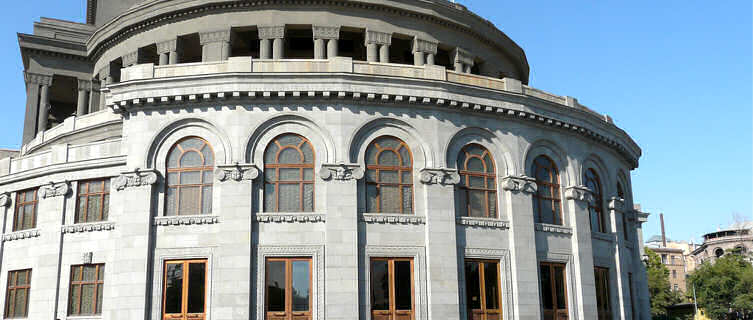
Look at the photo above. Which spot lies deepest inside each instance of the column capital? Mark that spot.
(340, 171)
(442, 176)
(5, 200)
(38, 78)
(136, 178)
(326, 32)
(130, 58)
(460, 55)
(222, 35)
(84, 84)
(377, 37)
(236, 172)
(271, 32)
(617, 204)
(522, 183)
(167, 46)
(579, 193)
(425, 46)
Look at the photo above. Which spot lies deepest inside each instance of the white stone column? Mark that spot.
(84, 87)
(584, 284)
(325, 35)
(105, 79)
(341, 275)
(215, 45)
(168, 52)
(34, 81)
(93, 96)
(275, 35)
(462, 60)
(6, 208)
(265, 49)
(44, 105)
(378, 40)
(422, 49)
(333, 49)
(372, 52)
(319, 49)
(518, 206)
(441, 242)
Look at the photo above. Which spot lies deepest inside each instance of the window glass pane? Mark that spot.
(388, 158)
(308, 153)
(95, 186)
(192, 143)
(290, 174)
(206, 203)
(207, 177)
(559, 280)
(276, 285)
(190, 177)
(290, 198)
(101, 275)
(388, 176)
(81, 212)
(90, 272)
(547, 213)
(475, 165)
(83, 187)
(492, 204)
(308, 174)
(170, 199)
(20, 307)
(594, 219)
(270, 175)
(407, 200)
(476, 182)
(407, 177)
(269, 197)
(546, 287)
(390, 199)
(271, 153)
(100, 290)
(472, 285)
(491, 284)
(172, 178)
(172, 159)
(95, 205)
(371, 198)
(191, 159)
(174, 288)
(371, 175)
(29, 217)
(196, 290)
(289, 156)
(87, 299)
(489, 164)
(107, 185)
(477, 200)
(388, 142)
(308, 197)
(189, 200)
(73, 300)
(300, 285)
(76, 273)
(289, 139)
(403, 285)
(380, 287)
(405, 157)
(544, 190)
(371, 152)
(208, 155)
(106, 207)
(490, 184)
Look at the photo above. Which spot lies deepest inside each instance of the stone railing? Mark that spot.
(61, 154)
(71, 125)
(344, 65)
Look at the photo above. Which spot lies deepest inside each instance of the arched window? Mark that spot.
(719, 252)
(289, 174)
(478, 191)
(595, 209)
(546, 200)
(625, 222)
(389, 176)
(190, 166)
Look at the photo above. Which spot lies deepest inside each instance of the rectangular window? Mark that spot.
(288, 292)
(553, 291)
(25, 215)
(93, 201)
(87, 284)
(603, 303)
(17, 296)
(184, 289)
(392, 292)
(482, 288)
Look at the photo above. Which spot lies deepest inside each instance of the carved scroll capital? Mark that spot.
(462, 56)
(236, 172)
(617, 204)
(271, 32)
(420, 45)
(36, 78)
(523, 184)
(377, 37)
(340, 171)
(54, 190)
(137, 178)
(167, 46)
(579, 193)
(326, 32)
(443, 176)
(130, 58)
(5, 200)
(214, 36)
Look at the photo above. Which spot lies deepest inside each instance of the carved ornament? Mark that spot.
(130, 58)
(54, 190)
(271, 32)
(341, 172)
(136, 178)
(326, 32)
(462, 56)
(5, 200)
(579, 193)
(214, 36)
(443, 176)
(236, 172)
(425, 46)
(521, 183)
(167, 46)
(378, 37)
(617, 204)
(36, 78)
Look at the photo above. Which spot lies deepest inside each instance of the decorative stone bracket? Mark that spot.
(236, 172)
(136, 178)
(579, 193)
(617, 204)
(54, 190)
(271, 32)
(521, 183)
(341, 172)
(443, 176)
(326, 32)
(5, 200)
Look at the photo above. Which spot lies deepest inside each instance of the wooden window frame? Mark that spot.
(489, 191)
(556, 312)
(289, 314)
(602, 274)
(19, 217)
(179, 169)
(80, 283)
(81, 217)
(392, 312)
(400, 169)
(484, 311)
(184, 315)
(301, 168)
(597, 205)
(10, 307)
(554, 187)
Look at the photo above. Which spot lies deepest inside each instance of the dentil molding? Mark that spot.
(290, 218)
(19, 235)
(523, 184)
(236, 172)
(136, 178)
(54, 190)
(482, 222)
(383, 218)
(553, 228)
(341, 172)
(88, 227)
(443, 176)
(185, 220)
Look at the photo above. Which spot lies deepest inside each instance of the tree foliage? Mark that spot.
(659, 290)
(724, 286)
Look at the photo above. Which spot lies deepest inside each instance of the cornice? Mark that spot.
(543, 227)
(20, 235)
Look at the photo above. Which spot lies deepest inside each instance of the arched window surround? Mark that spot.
(598, 217)
(475, 182)
(383, 174)
(283, 170)
(549, 191)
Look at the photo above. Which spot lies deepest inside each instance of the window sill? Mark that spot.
(288, 217)
(19, 235)
(392, 218)
(186, 220)
(610, 237)
(482, 222)
(543, 227)
(88, 227)
(83, 317)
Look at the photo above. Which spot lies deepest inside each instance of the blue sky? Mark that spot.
(676, 75)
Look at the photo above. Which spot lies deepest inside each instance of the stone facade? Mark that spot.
(735, 239)
(140, 102)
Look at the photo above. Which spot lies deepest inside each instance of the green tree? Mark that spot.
(724, 286)
(659, 290)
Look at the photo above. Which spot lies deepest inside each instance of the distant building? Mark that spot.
(676, 255)
(737, 238)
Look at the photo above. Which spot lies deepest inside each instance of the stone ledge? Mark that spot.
(23, 234)
(543, 227)
(186, 220)
(88, 227)
(482, 222)
(610, 237)
(387, 218)
(290, 218)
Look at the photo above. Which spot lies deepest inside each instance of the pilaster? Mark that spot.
(584, 283)
(215, 45)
